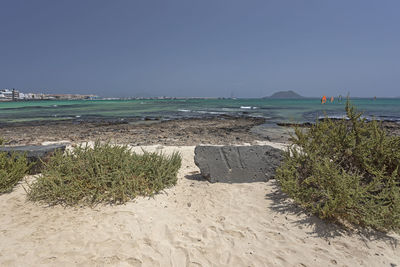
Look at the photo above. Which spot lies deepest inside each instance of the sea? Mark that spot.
(273, 110)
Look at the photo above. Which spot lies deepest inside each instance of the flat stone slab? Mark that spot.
(34, 153)
(237, 164)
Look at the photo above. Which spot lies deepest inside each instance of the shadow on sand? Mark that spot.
(196, 176)
(283, 204)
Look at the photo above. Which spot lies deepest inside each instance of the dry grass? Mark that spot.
(12, 169)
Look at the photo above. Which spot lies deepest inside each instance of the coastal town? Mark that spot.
(7, 95)
(16, 95)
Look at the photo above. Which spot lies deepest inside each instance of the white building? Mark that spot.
(6, 94)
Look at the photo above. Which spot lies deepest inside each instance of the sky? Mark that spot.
(211, 48)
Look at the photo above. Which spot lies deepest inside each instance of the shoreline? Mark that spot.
(216, 130)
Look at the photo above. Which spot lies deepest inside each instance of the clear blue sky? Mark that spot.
(201, 48)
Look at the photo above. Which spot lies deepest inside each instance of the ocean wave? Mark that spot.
(335, 117)
(248, 107)
(210, 112)
(366, 117)
(184, 110)
(259, 116)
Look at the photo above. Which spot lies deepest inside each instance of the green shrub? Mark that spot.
(345, 170)
(12, 169)
(103, 173)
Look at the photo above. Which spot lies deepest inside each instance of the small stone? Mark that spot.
(189, 204)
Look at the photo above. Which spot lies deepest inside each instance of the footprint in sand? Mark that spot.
(275, 236)
(180, 257)
(236, 234)
(134, 261)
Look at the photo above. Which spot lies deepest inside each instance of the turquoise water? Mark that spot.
(274, 110)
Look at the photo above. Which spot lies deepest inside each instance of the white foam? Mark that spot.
(248, 107)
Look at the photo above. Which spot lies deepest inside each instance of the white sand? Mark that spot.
(194, 223)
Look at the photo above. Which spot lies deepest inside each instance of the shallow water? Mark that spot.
(274, 110)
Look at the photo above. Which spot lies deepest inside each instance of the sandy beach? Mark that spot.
(194, 223)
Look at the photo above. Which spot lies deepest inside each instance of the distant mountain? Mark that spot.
(285, 94)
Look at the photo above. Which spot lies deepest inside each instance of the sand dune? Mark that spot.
(194, 223)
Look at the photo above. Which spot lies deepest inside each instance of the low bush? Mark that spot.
(12, 169)
(103, 173)
(345, 170)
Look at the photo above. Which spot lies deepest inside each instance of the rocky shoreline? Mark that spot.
(216, 130)
(219, 130)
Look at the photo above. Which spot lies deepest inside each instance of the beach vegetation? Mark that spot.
(12, 169)
(345, 170)
(103, 173)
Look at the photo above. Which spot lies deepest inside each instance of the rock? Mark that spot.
(35, 154)
(237, 164)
